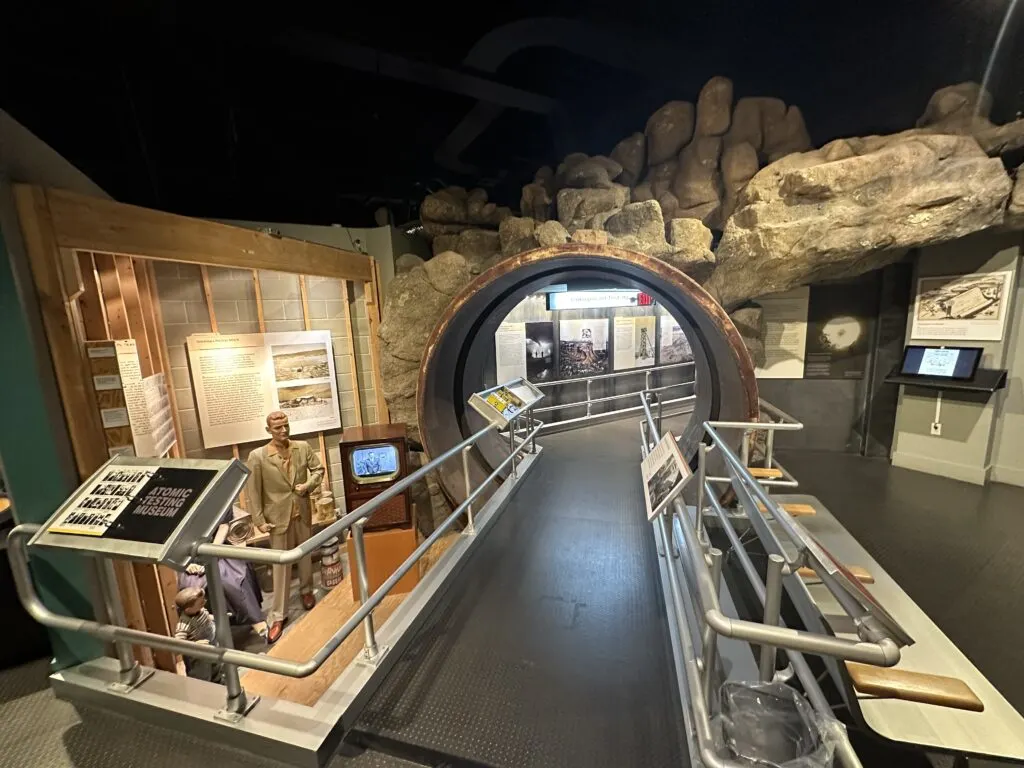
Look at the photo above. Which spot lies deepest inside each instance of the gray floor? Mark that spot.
(957, 549)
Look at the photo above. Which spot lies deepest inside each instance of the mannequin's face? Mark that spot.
(277, 427)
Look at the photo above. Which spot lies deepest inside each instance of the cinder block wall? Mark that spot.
(233, 292)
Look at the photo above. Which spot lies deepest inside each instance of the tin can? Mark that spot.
(331, 572)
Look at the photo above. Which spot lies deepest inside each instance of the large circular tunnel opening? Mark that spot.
(459, 358)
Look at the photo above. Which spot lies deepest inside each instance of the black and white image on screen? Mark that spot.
(947, 363)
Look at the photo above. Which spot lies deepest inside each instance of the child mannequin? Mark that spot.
(195, 623)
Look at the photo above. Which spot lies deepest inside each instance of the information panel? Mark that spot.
(500, 405)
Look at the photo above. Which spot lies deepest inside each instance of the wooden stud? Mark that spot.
(373, 317)
(132, 602)
(304, 297)
(208, 295)
(154, 610)
(165, 361)
(110, 288)
(90, 303)
(350, 338)
(74, 381)
(71, 273)
(259, 301)
(94, 224)
(133, 312)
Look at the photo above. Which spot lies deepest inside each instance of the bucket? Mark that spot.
(331, 573)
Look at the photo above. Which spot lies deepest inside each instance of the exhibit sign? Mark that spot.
(785, 334)
(665, 473)
(633, 342)
(673, 346)
(615, 297)
(240, 378)
(540, 351)
(840, 316)
(582, 347)
(510, 352)
(962, 307)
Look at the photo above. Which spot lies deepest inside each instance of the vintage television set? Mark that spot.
(374, 458)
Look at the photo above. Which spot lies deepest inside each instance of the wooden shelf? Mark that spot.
(985, 380)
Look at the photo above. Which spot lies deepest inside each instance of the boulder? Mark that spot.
(739, 164)
(476, 244)
(571, 161)
(452, 209)
(545, 175)
(516, 234)
(590, 236)
(407, 262)
(551, 233)
(749, 321)
(803, 219)
(638, 227)
(669, 206)
(709, 213)
(631, 154)
(691, 250)
(1015, 208)
(786, 136)
(435, 228)
(536, 201)
(442, 243)
(447, 273)
(593, 173)
(660, 177)
(576, 206)
(446, 206)
(714, 106)
(746, 124)
(668, 130)
(642, 192)
(697, 184)
(962, 101)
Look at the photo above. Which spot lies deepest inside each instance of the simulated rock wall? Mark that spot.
(787, 214)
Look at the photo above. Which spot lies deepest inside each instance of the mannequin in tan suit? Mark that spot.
(283, 472)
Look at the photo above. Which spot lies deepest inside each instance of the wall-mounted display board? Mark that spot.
(240, 378)
(525, 351)
(582, 348)
(839, 323)
(673, 346)
(785, 334)
(634, 342)
(149, 510)
(499, 405)
(963, 307)
(540, 351)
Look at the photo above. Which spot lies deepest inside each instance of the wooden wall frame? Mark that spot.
(92, 269)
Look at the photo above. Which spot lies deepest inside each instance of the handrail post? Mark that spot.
(512, 446)
(660, 409)
(702, 469)
(469, 490)
(745, 448)
(772, 606)
(709, 657)
(371, 651)
(647, 379)
(130, 673)
(769, 450)
(237, 705)
(530, 419)
(588, 396)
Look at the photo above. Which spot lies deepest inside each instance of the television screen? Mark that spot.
(958, 363)
(375, 462)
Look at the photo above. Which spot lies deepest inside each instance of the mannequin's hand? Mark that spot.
(301, 489)
(265, 528)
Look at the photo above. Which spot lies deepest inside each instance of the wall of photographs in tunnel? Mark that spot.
(559, 340)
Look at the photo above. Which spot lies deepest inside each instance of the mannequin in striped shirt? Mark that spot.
(195, 623)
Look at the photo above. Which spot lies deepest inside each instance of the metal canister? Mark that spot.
(331, 573)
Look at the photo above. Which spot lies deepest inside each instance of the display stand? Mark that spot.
(984, 380)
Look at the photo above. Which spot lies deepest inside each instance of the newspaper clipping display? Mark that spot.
(962, 307)
(665, 474)
(785, 334)
(633, 342)
(240, 378)
(510, 352)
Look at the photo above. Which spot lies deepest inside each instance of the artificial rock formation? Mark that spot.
(807, 218)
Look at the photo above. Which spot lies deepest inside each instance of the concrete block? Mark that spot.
(173, 311)
(334, 309)
(225, 311)
(191, 440)
(247, 310)
(198, 313)
(242, 326)
(180, 289)
(188, 419)
(286, 287)
(165, 269)
(273, 309)
(177, 356)
(317, 309)
(334, 326)
(324, 288)
(275, 326)
(293, 309)
(180, 378)
(229, 289)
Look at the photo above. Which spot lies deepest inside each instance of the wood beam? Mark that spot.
(132, 303)
(110, 288)
(350, 338)
(372, 298)
(74, 381)
(92, 224)
(304, 297)
(208, 296)
(94, 315)
(165, 358)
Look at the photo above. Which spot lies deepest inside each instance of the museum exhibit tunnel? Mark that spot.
(460, 355)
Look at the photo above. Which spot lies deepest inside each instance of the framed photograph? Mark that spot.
(962, 307)
(582, 348)
(665, 474)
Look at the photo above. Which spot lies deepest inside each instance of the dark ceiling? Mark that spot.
(322, 115)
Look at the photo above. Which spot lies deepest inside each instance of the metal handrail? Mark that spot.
(616, 374)
(591, 401)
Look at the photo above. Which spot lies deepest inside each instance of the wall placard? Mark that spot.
(962, 307)
(839, 323)
(540, 351)
(510, 352)
(785, 334)
(633, 342)
(240, 378)
(673, 346)
(582, 348)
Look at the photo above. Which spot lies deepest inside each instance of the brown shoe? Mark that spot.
(275, 632)
(308, 601)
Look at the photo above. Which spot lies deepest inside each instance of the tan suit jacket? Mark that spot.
(271, 488)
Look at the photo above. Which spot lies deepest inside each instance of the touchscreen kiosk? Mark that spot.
(953, 363)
